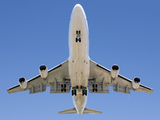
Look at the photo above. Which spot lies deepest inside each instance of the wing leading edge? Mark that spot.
(101, 77)
(57, 78)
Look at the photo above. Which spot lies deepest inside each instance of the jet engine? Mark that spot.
(114, 71)
(23, 83)
(136, 83)
(43, 71)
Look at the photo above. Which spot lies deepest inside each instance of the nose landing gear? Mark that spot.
(78, 38)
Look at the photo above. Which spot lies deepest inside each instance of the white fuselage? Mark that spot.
(79, 66)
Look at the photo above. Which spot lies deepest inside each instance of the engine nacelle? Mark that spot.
(22, 83)
(43, 71)
(136, 83)
(114, 71)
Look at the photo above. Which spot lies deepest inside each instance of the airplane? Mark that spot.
(79, 73)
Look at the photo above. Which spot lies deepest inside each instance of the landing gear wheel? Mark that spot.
(93, 90)
(79, 39)
(76, 39)
(76, 87)
(61, 87)
(61, 90)
(74, 92)
(77, 32)
(64, 88)
(96, 89)
(84, 92)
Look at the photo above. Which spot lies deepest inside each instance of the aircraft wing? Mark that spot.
(57, 78)
(102, 77)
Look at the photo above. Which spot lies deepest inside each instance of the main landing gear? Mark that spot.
(78, 38)
(74, 90)
(84, 91)
(63, 88)
(94, 87)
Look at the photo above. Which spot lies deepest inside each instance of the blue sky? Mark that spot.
(125, 32)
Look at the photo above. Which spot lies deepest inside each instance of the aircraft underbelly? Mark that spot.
(78, 60)
(79, 64)
(79, 67)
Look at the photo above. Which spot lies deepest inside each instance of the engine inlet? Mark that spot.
(42, 67)
(21, 80)
(115, 67)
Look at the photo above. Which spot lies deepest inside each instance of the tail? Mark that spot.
(86, 111)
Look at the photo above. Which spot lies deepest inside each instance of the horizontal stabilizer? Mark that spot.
(69, 111)
(86, 111)
(91, 111)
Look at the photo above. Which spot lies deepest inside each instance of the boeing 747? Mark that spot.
(79, 73)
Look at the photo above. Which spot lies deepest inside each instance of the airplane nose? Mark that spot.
(78, 12)
(78, 7)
